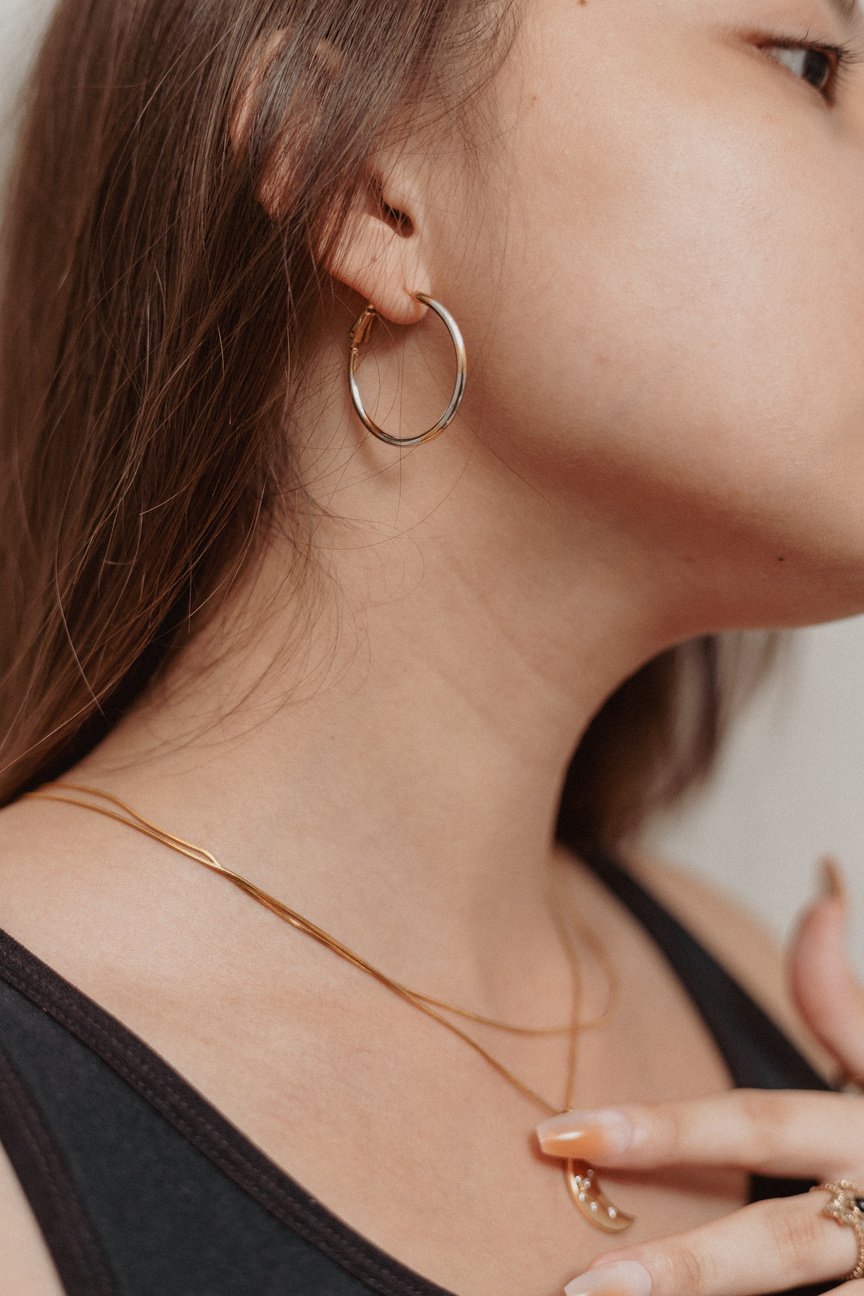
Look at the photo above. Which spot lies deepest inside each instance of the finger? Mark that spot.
(769, 1246)
(821, 976)
(816, 1134)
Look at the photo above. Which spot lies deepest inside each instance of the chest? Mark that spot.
(416, 1142)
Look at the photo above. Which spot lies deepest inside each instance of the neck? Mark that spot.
(396, 778)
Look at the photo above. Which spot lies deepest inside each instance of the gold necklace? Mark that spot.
(581, 1178)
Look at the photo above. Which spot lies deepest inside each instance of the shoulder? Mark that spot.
(737, 937)
(28, 1264)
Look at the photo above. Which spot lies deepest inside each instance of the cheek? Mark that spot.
(683, 297)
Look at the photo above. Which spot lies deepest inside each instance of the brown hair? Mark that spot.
(154, 322)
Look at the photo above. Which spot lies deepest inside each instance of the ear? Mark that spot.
(380, 252)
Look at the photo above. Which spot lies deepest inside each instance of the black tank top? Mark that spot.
(143, 1188)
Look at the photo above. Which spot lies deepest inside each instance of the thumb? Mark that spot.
(824, 986)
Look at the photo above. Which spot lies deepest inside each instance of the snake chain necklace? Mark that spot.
(581, 1179)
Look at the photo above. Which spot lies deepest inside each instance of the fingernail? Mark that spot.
(624, 1278)
(586, 1134)
(833, 884)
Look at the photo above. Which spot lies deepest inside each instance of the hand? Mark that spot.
(768, 1246)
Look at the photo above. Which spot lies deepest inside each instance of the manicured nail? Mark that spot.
(586, 1134)
(624, 1278)
(832, 879)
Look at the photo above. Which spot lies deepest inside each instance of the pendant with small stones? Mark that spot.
(590, 1199)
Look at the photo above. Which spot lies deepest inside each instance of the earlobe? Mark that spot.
(378, 254)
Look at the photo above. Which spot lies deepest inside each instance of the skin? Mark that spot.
(659, 275)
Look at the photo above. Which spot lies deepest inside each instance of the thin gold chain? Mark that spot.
(421, 1001)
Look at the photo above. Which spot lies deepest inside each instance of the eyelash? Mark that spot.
(845, 56)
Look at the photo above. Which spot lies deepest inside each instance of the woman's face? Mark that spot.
(668, 286)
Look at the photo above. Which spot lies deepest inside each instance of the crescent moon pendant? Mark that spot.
(590, 1199)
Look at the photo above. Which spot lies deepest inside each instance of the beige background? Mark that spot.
(790, 783)
(789, 786)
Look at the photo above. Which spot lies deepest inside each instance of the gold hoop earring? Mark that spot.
(359, 334)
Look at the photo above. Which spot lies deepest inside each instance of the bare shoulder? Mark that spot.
(738, 938)
(28, 1265)
(27, 1262)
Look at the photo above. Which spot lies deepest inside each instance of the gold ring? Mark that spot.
(846, 1207)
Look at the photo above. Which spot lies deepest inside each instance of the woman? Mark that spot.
(624, 242)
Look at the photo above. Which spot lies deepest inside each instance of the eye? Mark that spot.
(823, 66)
